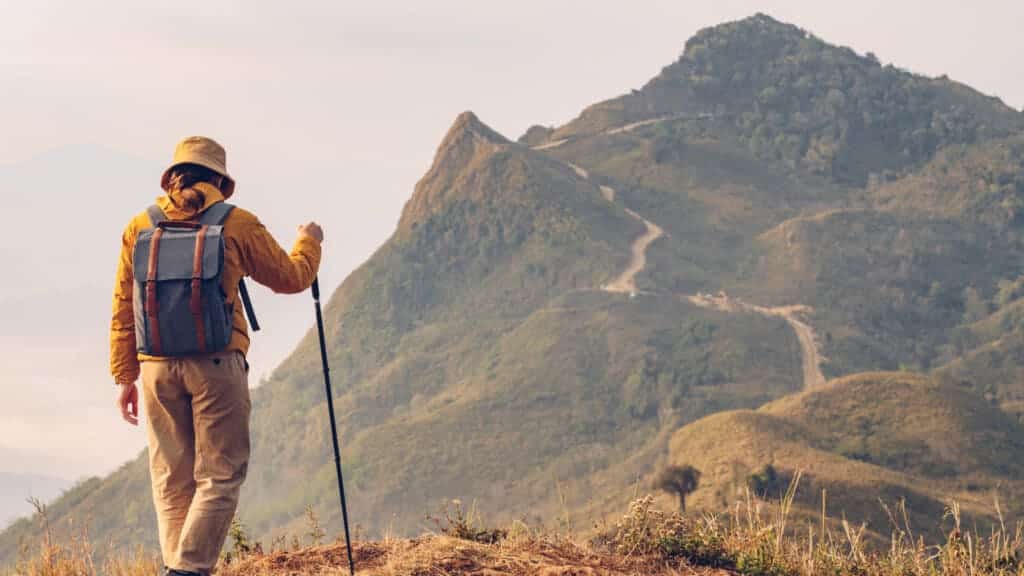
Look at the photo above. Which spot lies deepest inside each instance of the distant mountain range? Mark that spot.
(669, 278)
(17, 489)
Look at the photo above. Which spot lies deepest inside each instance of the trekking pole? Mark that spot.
(243, 292)
(334, 426)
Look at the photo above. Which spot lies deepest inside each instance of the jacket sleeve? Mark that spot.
(124, 362)
(267, 263)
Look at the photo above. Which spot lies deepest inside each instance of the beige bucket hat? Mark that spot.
(204, 152)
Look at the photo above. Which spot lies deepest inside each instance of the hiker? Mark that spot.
(191, 351)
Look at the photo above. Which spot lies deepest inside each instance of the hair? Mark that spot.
(183, 177)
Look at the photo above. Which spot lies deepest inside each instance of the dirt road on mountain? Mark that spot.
(791, 314)
(628, 128)
(625, 283)
(550, 145)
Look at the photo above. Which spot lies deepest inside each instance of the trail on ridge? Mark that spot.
(625, 283)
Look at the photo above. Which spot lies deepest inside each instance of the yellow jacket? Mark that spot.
(249, 250)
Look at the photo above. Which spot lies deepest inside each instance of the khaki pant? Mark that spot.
(197, 410)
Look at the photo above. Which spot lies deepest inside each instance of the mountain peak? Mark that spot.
(759, 24)
(468, 124)
(467, 145)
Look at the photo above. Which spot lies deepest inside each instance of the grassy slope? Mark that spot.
(988, 356)
(888, 288)
(865, 438)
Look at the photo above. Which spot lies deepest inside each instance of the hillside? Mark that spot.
(868, 441)
(549, 313)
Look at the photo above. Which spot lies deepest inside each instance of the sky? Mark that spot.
(330, 111)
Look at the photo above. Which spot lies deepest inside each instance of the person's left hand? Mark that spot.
(128, 401)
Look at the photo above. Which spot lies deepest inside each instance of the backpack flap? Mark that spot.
(177, 251)
(182, 310)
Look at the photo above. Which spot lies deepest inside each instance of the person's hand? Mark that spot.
(128, 401)
(313, 230)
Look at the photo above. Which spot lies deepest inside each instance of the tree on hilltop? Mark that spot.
(679, 480)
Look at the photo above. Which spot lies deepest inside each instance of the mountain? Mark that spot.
(552, 315)
(479, 336)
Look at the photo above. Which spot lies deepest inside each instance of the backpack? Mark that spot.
(180, 305)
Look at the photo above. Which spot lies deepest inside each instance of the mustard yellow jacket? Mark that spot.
(249, 250)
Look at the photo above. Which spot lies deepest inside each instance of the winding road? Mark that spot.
(625, 283)
(791, 314)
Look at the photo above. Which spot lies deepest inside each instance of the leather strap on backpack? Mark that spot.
(152, 304)
(196, 304)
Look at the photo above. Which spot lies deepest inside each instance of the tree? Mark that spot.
(764, 481)
(679, 480)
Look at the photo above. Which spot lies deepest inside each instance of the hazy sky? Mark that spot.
(332, 110)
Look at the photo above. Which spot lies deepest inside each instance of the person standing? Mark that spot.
(197, 403)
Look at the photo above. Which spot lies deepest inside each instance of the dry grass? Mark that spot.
(443, 555)
(75, 557)
(756, 538)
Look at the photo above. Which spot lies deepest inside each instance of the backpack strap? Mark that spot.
(216, 214)
(152, 305)
(156, 215)
(196, 302)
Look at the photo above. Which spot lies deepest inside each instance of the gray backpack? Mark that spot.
(180, 305)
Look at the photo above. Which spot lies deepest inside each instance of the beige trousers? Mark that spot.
(197, 412)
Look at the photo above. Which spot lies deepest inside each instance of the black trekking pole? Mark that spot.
(334, 426)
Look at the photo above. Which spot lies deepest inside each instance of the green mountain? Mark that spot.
(769, 211)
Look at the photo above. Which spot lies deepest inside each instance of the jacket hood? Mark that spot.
(173, 205)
